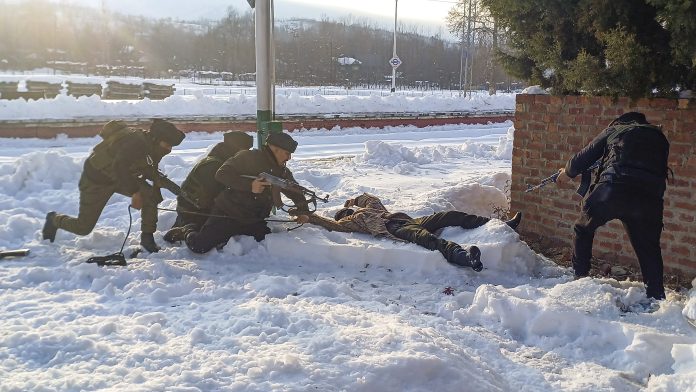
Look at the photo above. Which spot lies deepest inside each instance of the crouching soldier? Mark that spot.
(629, 186)
(241, 209)
(200, 185)
(120, 164)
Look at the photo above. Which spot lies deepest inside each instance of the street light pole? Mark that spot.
(393, 86)
(265, 71)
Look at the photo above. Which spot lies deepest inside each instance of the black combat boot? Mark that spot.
(178, 234)
(515, 221)
(147, 241)
(49, 229)
(470, 257)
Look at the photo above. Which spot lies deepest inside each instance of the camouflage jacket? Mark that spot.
(371, 217)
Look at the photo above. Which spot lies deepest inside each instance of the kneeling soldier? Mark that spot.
(201, 186)
(118, 165)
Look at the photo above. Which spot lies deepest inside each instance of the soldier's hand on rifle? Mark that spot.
(301, 219)
(137, 200)
(258, 185)
(563, 178)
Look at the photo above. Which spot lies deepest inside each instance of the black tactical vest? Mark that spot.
(636, 153)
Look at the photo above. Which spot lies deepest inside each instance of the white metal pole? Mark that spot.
(393, 86)
(264, 67)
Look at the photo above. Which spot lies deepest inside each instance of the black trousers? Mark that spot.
(421, 230)
(641, 215)
(216, 231)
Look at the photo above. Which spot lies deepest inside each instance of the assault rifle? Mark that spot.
(310, 196)
(582, 188)
(161, 180)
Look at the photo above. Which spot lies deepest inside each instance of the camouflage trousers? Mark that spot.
(93, 199)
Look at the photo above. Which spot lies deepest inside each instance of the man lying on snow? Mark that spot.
(366, 214)
(118, 165)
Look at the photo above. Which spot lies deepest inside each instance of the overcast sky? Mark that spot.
(428, 14)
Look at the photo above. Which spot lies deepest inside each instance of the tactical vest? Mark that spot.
(197, 189)
(636, 153)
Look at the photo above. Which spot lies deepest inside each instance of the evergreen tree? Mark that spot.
(622, 47)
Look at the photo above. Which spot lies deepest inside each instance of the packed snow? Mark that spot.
(309, 309)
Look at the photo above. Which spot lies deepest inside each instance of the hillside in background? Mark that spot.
(76, 39)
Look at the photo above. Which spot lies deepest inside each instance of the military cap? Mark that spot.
(165, 131)
(282, 140)
(238, 140)
(631, 117)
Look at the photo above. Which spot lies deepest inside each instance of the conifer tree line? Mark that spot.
(636, 48)
(39, 33)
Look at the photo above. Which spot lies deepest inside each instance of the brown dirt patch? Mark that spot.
(561, 255)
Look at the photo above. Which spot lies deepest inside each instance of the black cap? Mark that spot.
(343, 212)
(165, 131)
(282, 140)
(238, 140)
(631, 117)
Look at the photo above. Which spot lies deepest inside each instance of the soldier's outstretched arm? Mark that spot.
(584, 158)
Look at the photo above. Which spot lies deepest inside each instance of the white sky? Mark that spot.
(423, 10)
(428, 14)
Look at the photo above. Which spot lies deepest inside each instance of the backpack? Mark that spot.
(636, 153)
(102, 156)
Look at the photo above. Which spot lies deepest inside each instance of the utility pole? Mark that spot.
(394, 61)
(265, 71)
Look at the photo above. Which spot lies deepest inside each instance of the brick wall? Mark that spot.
(550, 129)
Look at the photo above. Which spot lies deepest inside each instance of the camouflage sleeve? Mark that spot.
(328, 224)
(367, 200)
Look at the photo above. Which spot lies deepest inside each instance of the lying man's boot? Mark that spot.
(468, 258)
(515, 221)
(49, 229)
(178, 234)
(147, 241)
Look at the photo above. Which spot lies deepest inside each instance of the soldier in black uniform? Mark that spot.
(119, 164)
(241, 209)
(201, 186)
(629, 186)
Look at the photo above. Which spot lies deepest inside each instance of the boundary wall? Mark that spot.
(48, 129)
(550, 129)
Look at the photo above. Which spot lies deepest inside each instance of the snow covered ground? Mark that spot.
(314, 310)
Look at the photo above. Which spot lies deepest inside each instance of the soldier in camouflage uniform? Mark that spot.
(202, 187)
(119, 164)
(367, 214)
(242, 207)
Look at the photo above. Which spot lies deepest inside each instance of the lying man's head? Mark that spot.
(343, 212)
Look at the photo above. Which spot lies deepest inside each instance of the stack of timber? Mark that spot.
(8, 90)
(118, 90)
(37, 89)
(83, 89)
(157, 91)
